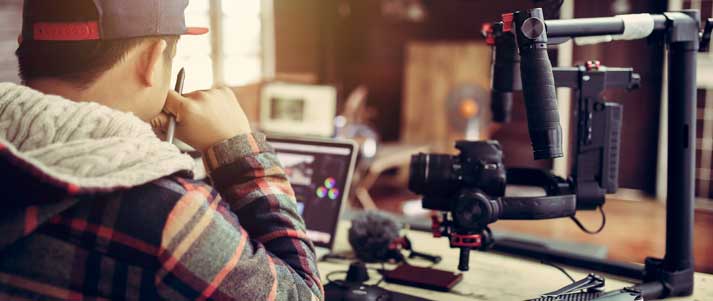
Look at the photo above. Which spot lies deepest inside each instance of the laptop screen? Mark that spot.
(320, 173)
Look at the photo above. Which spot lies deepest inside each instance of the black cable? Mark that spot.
(560, 269)
(329, 257)
(601, 227)
(383, 269)
(334, 273)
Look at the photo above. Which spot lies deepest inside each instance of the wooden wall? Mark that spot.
(348, 43)
(433, 71)
(10, 27)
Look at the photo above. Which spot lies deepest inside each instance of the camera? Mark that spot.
(468, 186)
(469, 189)
(442, 179)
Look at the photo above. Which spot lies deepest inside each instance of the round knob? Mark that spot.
(532, 28)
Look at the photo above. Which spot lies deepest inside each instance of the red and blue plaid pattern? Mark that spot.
(172, 239)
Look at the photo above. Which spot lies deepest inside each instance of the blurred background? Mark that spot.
(414, 75)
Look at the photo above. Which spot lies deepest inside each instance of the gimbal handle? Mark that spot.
(540, 207)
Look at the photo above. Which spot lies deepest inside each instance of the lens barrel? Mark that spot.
(432, 174)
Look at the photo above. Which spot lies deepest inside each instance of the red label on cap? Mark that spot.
(75, 31)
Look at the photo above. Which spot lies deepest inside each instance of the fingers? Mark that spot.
(175, 105)
(160, 122)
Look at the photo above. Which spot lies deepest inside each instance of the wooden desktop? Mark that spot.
(492, 276)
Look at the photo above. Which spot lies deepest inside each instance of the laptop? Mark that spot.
(320, 171)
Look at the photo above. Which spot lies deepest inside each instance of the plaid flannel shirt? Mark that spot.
(172, 239)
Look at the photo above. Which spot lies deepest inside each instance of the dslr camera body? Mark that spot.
(469, 190)
(470, 185)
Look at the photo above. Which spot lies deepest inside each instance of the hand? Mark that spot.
(204, 118)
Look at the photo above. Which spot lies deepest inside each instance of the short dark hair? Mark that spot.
(78, 62)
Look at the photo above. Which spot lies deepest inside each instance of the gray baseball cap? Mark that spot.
(83, 20)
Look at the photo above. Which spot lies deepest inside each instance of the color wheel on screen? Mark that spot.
(329, 189)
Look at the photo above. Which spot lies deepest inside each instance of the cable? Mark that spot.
(601, 227)
(329, 257)
(383, 269)
(334, 273)
(560, 269)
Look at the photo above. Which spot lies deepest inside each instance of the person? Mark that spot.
(95, 206)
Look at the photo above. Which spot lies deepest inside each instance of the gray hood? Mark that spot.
(85, 147)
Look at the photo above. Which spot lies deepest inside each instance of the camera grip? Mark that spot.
(506, 76)
(534, 208)
(538, 86)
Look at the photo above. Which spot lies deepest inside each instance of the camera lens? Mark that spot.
(431, 175)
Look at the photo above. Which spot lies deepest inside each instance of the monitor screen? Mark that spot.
(320, 174)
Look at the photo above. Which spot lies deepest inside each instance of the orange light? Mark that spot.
(469, 108)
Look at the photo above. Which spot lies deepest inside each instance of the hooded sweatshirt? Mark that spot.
(94, 206)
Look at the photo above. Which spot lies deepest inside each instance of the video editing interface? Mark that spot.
(318, 174)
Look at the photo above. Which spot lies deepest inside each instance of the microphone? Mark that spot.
(371, 234)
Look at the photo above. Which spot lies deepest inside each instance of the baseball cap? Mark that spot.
(86, 20)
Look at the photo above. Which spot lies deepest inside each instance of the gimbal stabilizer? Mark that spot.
(521, 39)
(469, 187)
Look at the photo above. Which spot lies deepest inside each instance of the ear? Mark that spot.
(152, 62)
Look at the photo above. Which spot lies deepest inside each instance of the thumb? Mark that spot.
(175, 105)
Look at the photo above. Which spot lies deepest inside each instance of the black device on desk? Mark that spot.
(352, 291)
(353, 288)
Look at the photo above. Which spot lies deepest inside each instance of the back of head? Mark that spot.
(114, 52)
(48, 51)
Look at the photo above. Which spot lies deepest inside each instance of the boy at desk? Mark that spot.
(95, 206)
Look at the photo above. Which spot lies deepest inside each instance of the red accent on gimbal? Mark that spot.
(436, 227)
(507, 22)
(467, 241)
(487, 31)
(593, 65)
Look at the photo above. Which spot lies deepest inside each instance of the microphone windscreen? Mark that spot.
(370, 235)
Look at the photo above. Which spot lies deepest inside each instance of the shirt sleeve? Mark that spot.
(244, 241)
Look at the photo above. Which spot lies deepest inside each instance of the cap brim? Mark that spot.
(194, 31)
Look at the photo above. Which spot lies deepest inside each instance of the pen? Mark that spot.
(172, 118)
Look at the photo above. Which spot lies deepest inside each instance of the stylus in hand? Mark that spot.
(172, 118)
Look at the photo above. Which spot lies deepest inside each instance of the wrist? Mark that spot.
(234, 149)
(219, 138)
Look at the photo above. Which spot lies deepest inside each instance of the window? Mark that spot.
(232, 53)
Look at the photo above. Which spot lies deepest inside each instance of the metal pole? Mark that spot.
(681, 156)
(587, 27)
